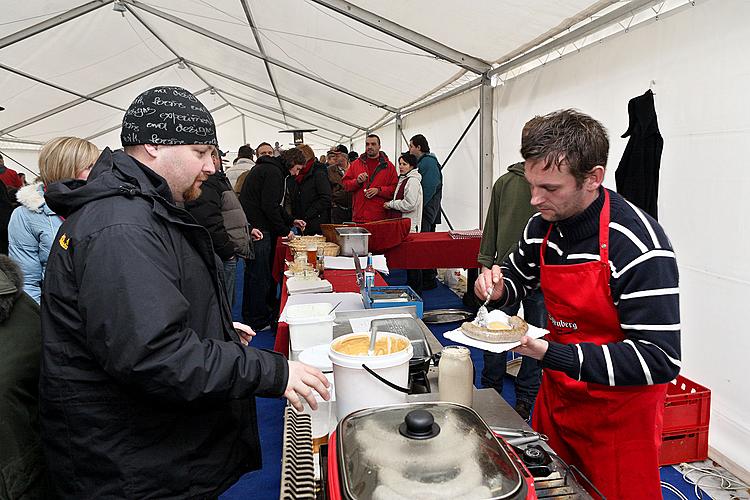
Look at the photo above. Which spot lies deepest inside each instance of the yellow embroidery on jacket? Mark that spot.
(64, 241)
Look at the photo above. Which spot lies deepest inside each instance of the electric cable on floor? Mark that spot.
(727, 483)
(667, 486)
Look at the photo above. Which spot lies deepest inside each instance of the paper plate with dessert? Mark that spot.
(499, 334)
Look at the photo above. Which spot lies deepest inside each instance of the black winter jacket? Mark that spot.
(145, 389)
(311, 199)
(262, 196)
(228, 227)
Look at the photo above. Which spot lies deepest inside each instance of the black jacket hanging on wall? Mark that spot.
(637, 176)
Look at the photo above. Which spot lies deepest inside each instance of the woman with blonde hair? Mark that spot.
(33, 225)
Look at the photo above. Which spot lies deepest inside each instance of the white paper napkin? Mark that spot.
(496, 315)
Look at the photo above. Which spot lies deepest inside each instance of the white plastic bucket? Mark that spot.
(357, 389)
(309, 325)
(317, 356)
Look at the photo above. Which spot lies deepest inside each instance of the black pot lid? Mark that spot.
(423, 450)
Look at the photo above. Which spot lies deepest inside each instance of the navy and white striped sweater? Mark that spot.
(644, 285)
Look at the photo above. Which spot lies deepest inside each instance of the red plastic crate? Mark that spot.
(687, 406)
(681, 446)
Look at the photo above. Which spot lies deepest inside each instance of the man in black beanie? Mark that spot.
(147, 388)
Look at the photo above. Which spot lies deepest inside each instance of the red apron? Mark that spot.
(612, 434)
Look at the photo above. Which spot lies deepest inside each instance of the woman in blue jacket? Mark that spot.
(33, 225)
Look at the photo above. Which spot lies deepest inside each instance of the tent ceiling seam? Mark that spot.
(411, 37)
(88, 97)
(256, 34)
(169, 48)
(271, 108)
(278, 121)
(268, 92)
(252, 52)
(52, 22)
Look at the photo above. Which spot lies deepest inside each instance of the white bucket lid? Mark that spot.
(305, 314)
(317, 356)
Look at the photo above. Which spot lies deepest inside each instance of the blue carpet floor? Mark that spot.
(265, 483)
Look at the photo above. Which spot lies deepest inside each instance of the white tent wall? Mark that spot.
(442, 125)
(17, 159)
(697, 58)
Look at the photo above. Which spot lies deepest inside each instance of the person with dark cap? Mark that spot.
(262, 197)
(147, 388)
(341, 199)
(21, 459)
(243, 163)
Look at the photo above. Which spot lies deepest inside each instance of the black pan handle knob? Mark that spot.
(419, 424)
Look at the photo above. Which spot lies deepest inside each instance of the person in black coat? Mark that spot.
(147, 388)
(311, 194)
(262, 198)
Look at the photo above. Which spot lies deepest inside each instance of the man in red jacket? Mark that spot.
(8, 176)
(372, 179)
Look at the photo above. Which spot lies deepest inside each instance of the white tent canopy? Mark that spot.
(476, 70)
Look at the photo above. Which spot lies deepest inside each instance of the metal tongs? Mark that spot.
(481, 319)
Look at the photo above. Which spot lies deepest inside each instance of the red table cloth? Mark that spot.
(433, 250)
(341, 281)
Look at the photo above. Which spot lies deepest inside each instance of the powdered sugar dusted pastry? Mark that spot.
(497, 331)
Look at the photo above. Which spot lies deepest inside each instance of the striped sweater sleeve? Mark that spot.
(645, 291)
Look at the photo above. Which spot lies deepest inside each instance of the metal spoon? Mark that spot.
(481, 318)
(373, 338)
(334, 307)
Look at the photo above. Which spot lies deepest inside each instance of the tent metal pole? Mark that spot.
(397, 142)
(616, 15)
(52, 22)
(244, 130)
(268, 92)
(88, 97)
(259, 42)
(58, 87)
(458, 142)
(169, 48)
(485, 147)
(447, 95)
(271, 108)
(406, 35)
(252, 52)
(115, 127)
(250, 111)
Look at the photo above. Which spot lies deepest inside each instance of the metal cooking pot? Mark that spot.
(430, 450)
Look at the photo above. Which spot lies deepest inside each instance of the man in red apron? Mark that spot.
(610, 283)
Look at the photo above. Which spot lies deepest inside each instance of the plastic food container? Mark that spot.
(356, 388)
(353, 240)
(309, 325)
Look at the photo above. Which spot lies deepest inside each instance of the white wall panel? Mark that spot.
(442, 125)
(697, 58)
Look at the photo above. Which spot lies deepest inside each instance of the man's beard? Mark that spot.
(193, 192)
(372, 155)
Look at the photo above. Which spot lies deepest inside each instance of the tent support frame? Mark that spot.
(252, 52)
(89, 97)
(52, 22)
(268, 92)
(485, 146)
(271, 108)
(259, 42)
(427, 44)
